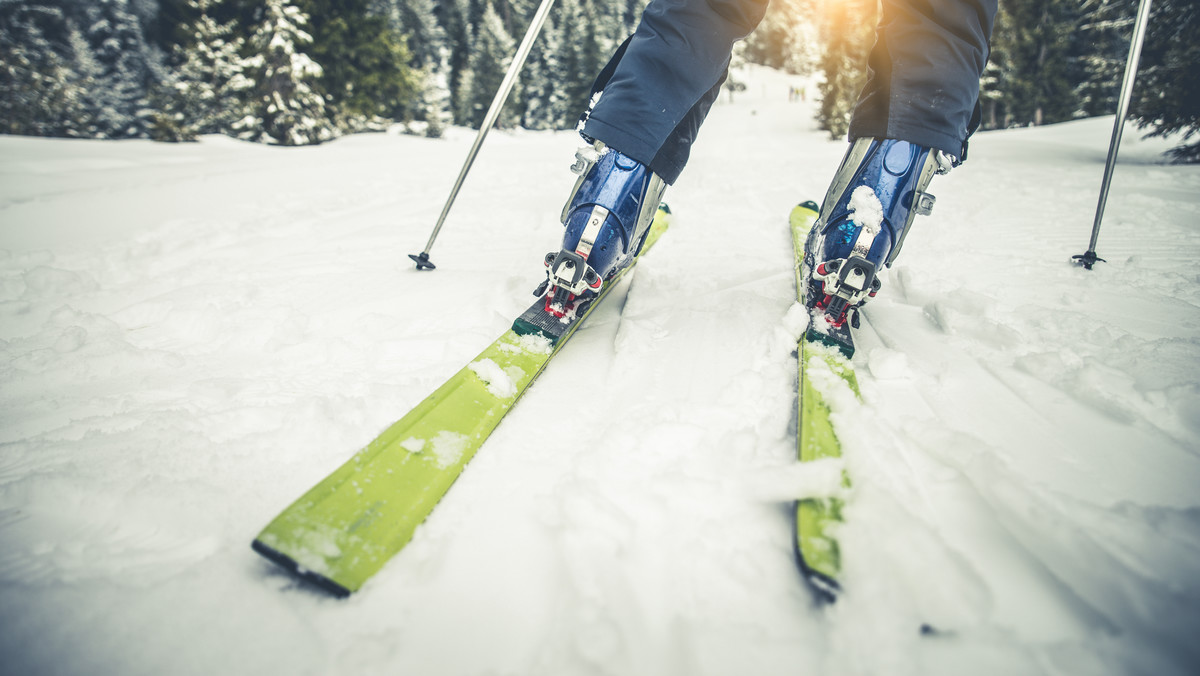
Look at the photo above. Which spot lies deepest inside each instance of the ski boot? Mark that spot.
(607, 217)
(875, 194)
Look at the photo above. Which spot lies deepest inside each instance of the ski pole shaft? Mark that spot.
(506, 85)
(1131, 66)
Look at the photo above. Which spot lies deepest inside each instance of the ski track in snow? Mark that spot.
(193, 335)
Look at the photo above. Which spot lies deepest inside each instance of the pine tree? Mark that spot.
(1040, 48)
(849, 33)
(631, 13)
(126, 64)
(1105, 30)
(436, 100)
(542, 104)
(610, 27)
(582, 56)
(1166, 96)
(455, 23)
(462, 105)
(786, 38)
(40, 94)
(995, 84)
(207, 91)
(425, 37)
(489, 61)
(365, 63)
(429, 59)
(286, 106)
(516, 15)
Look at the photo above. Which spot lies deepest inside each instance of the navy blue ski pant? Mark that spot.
(923, 83)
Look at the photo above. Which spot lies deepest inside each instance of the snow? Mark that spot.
(193, 335)
(499, 384)
(529, 343)
(796, 321)
(448, 448)
(867, 210)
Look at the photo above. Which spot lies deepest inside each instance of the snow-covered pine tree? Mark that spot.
(490, 59)
(206, 93)
(542, 103)
(286, 107)
(516, 15)
(581, 56)
(461, 104)
(849, 30)
(429, 58)
(436, 98)
(564, 22)
(610, 27)
(787, 37)
(118, 103)
(453, 18)
(631, 13)
(418, 21)
(40, 93)
(1166, 98)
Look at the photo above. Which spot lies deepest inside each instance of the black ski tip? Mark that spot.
(810, 205)
(825, 589)
(422, 261)
(288, 563)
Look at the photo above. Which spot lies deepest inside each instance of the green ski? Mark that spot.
(816, 522)
(343, 530)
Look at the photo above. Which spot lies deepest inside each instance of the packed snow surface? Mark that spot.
(193, 335)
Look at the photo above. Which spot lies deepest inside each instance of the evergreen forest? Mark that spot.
(299, 72)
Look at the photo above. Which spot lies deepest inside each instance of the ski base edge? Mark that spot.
(290, 565)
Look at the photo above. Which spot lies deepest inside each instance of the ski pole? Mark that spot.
(1089, 258)
(506, 85)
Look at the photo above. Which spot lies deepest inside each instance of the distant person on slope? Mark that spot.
(912, 120)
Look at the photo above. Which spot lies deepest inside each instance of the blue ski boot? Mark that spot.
(607, 217)
(877, 191)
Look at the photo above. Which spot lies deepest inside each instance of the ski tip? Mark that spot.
(825, 589)
(422, 261)
(810, 205)
(288, 563)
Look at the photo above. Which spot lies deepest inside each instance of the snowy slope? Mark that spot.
(193, 335)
